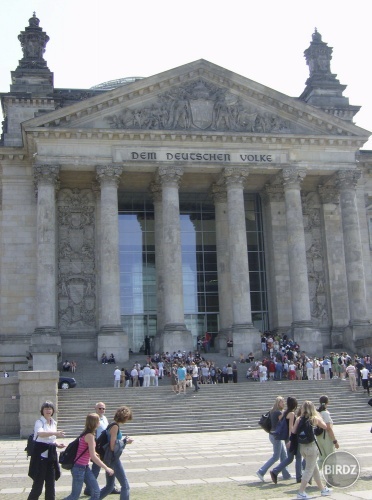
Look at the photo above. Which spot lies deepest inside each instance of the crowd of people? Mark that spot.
(44, 467)
(184, 370)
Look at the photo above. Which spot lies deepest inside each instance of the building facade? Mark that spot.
(190, 201)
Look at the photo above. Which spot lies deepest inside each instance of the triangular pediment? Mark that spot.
(197, 97)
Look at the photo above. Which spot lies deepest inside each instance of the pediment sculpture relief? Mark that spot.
(199, 106)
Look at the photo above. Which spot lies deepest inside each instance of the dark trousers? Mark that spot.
(195, 383)
(365, 383)
(46, 474)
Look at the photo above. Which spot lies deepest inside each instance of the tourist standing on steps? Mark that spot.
(195, 376)
(351, 373)
(117, 444)
(327, 442)
(310, 451)
(44, 467)
(102, 426)
(279, 451)
(230, 347)
(86, 452)
(117, 374)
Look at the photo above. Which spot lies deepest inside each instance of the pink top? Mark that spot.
(83, 450)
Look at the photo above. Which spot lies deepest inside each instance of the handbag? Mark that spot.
(109, 455)
(265, 422)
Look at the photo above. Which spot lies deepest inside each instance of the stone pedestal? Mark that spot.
(246, 340)
(308, 338)
(113, 340)
(174, 339)
(35, 388)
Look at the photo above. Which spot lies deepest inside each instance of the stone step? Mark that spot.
(215, 407)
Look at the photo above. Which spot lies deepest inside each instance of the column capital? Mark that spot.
(347, 179)
(156, 192)
(273, 191)
(46, 174)
(293, 177)
(234, 176)
(329, 193)
(109, 173)
(170, 175)
(219, 193)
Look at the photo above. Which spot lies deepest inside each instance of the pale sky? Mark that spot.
(95, 41)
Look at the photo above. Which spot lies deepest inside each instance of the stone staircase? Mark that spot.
(157, 410)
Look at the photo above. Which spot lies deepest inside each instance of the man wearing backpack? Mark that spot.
(103, 423)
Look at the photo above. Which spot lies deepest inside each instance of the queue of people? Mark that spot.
(44, 467)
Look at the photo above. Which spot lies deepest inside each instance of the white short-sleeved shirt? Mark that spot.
(41, 425)
(326, 417)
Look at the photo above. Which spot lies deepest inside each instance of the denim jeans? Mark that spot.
(283, 464)
(119, 474)
(279, 453)
(81, 474)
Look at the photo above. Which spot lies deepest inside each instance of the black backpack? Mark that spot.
(265, 422)
(103, 440)
(67, 457)
(282, 429)
(305, 431)
(30, 445)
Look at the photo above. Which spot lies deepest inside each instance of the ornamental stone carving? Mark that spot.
(170, 175)
(76, 260)
(347, 179)
(219, 193)
(273, 191)
(109, 173)
(46, 174)
(329, 194)
(293, 177)
(234, 176)
(200, 105)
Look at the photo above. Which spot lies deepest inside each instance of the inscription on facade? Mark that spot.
(164, 155)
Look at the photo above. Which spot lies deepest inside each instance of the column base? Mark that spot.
(45, 348)
(246, 339)
(337, 337)
(178, 339)
(358, 337)
(221, 339)
(113, 339)
(307, 337)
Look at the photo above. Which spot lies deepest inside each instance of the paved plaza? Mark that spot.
(219, 465)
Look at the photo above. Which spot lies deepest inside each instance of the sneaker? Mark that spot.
(326, 492)
(302, 495)
(274, 477)
(260, 476)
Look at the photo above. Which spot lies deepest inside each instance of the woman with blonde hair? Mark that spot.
(279, 451)
(81, 472)
(309, 418)
(117, 444)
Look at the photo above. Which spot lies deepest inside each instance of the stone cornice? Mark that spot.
(159, 136)
(289, 107)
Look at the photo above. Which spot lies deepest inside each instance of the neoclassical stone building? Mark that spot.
(190, 201)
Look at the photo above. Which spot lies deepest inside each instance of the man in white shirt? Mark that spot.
(103, 423)
(365, 379)
(117, 374)
(146, 376)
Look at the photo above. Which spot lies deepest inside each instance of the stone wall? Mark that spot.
(9, 406)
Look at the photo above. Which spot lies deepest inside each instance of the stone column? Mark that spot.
(175, 335)
(111, 337)
(245, 336)
(360, 328)
(335, 258)
(223, 266)
(276, 250)
(156, 192)
(46, 342)
(302, 326)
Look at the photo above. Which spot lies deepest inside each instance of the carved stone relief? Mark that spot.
(76, 260)
(315, 259)
(200, 106)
